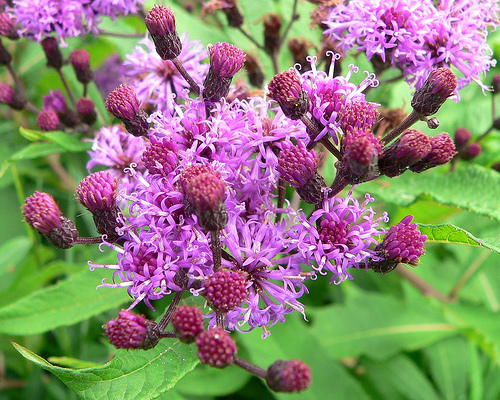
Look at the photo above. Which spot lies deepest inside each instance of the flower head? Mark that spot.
(132, 331)
(288, 376)
(216, 348)
(160, 22)
(286, 89)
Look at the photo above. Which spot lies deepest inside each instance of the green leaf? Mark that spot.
(135, 374)
(382, 327)
(401, 375)
(64, 140)
(74, 363)
(36, 150)
(12, 253)
(480, 325)
(448, 365)
(68, 302)
(448, 233)
(474, 188)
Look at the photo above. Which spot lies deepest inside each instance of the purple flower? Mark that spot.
(117, 150)
(54, 101)
(157, 81)
(338, 236)
(418, 37)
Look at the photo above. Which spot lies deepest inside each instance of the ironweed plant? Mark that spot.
(273, 190)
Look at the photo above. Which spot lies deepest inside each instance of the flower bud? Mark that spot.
(80, 60)
(233, 15)
(440, 84)
(286, 89)
(160, 23)
(47, 120)
(97, 193)
(187, 323)
(495, 84)
(360, 151)
(403, 243)
(123, 104)
(42, 213)
(160, 157)
(52, 52)
(132, 331)
(442, 151)
(361, 115)
(272, 27)
(86, 110)
(299, 48)
(471, 151)
(254, 71)
(225, 290)
(462, 136)
(411, 147)
(7, 27)
(288, 376)
(225, 61)
(216, 348)
(10, 97)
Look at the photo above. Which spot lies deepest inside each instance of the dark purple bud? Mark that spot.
(254, 71)
(160, 23)
(10, 97)
(361, 116)
(225, 290)
(86, 110)
(440, 84)
(495, 84)
(360, 151)
(272, 27)
(80, 60)
(462, 136)
(47, 120)
(132, 331)
(55, 101)
(233, 15)
(187, 323)
(296, 164)
(216, 348)
(471, 151)
(403, 243)
(52, 52)
(97, 193)
(288, 376)
(496, 123)
(442, 151)
(43, 214)
(411, 147)
(7, 27)
(160, 157)
(205, 194)
(299, 48)
(312, 191)
(225, 61)
(286, 89)
(123, 104)
(5, 57)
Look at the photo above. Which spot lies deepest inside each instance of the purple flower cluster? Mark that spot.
(68, 18)
(418, 37)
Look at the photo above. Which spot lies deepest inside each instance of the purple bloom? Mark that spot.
(338, 236)
(418, 37)
(157, 81)
(54, 101)
(117, 150)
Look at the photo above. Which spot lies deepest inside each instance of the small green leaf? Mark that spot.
(134, 374)
(448, 233)
(64, 140)
(65, 303)
(36, 150)
(71, 362)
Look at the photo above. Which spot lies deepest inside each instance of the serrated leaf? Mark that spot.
(382, 327)
(135, 374)
(64, 140)
(474, 188)
(448, 233)
(68, 302)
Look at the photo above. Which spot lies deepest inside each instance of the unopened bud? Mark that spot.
(12, 98)
(440, 84)
(123, 104)
(52, 52)
(80, 60)
(132, 331)
(272, 27)
(47, 120)
(187, 323)
(286, 89)
(288, 376)
(160, 23)
(216, 348)
(254, 71)
(86, 110)
(7, 27)
(442, 151)
(5, 57)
